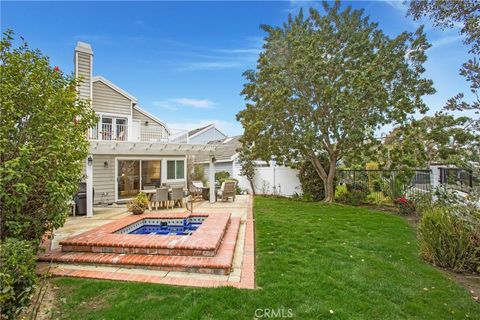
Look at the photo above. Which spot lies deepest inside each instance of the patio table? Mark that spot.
(151, 192)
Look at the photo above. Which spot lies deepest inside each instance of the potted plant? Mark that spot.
(138, 204)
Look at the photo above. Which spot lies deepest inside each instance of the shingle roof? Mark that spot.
(226, 148)
(197, 130)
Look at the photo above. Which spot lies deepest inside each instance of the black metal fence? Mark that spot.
(384, 186)
(459, 179)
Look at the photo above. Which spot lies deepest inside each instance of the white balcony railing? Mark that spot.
(109, 132)
(137, 133)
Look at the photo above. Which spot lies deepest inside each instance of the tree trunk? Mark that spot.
(251, 186)
(327, 177)
(329, 185)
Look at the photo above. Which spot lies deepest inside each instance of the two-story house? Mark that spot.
(129, 147)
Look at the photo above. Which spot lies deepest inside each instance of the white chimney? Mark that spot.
(83, 62)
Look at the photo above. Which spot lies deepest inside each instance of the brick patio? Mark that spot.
(219, 253)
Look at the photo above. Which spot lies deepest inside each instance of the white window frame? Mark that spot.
(114, 118)
(184, 169)
(163, 170)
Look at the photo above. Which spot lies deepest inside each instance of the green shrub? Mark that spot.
(423, 202)
(354, 194)
(198, 173)
(221, 176)
(396, 188)
(356, 197)
(312, 184)
(450, 241)
(377, 185)
(17, 276)
(357, 187)
(377, 198)
(340, 192)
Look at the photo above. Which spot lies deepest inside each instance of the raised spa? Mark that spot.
(163, 226)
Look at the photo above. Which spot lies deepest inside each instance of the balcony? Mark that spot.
(122, 132)
(109, 132)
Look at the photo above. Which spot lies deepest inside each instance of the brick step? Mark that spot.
(221, 263)
(104, 239)
(136, 275)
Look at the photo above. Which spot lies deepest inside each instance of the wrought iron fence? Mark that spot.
(459, 179)
(384, 186)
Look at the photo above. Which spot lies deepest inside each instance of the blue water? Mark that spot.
(186, 229)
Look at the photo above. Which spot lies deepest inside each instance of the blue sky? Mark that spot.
(184, 60)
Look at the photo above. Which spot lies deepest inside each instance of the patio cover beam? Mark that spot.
(142, 148)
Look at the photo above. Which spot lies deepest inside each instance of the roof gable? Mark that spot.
(199, 131)
(151, 116)
(114, 87)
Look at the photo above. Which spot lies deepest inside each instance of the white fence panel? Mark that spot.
(271, 180)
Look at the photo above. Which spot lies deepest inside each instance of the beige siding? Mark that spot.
(153, 126)
(84, 73)
(104, 178)
(107, 100)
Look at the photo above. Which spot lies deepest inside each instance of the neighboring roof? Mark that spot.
(114, 87)
(151, 116)
(196, 132)
(226, 149)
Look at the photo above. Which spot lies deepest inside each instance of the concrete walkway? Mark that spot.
(242, 274)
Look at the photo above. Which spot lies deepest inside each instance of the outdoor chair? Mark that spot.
(160, 198)
(196, 189)
(227, 190)
(176, 196)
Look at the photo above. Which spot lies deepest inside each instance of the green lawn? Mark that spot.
(311, 258)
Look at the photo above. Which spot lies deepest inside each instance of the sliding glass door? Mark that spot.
(151, 173)
(128, 178)
(135, 175)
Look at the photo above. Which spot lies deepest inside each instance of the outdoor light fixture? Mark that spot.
(214, 159)
(90, 160)
(105, 164)
(146, 123)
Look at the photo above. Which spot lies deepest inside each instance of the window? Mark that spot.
(113, 128)
(175, 169)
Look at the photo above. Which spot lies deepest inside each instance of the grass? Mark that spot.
(311, 258)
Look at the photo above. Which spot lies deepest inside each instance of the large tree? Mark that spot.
(325, 83)
(43, 143)
(438, 138)
(465, 15)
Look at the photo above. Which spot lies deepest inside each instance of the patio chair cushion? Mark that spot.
(161, 195)
(176, 194)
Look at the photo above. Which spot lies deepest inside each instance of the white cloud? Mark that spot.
(443, 41)
(165, 104)
(296, 5)
(398, 5)
(225, 58)
(194, 103)
(176, 103)
(211, 65)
